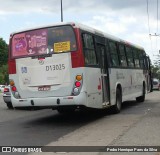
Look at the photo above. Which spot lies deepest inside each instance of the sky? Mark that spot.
(125, 19)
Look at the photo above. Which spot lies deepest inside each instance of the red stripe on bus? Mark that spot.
(78, 56)
(11, 62)
(12, 66)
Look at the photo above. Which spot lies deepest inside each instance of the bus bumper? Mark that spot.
(50, 102)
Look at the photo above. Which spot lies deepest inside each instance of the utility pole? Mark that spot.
(61, 11)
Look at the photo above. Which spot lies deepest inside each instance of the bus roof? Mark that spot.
(85, 28)
(95, 31)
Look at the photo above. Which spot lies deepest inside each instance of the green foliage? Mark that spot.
(4, 78)
(155, 71)
(3, 62)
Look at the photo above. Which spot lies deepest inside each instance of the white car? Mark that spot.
(156, 84)
(2, 88)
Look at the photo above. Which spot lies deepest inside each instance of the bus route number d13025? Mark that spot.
(55, 67)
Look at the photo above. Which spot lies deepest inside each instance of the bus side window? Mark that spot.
(89, 49)
(141, 57)
(129, 56)
(113, 54)
(136, 58)
(122, 56)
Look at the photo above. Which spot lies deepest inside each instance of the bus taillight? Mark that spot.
(77, 85)
(75, 91)
(11, 83)
(14, 89)
(79, 77)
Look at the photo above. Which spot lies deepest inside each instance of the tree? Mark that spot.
(156, 68)
(3, 52)
(3, 62)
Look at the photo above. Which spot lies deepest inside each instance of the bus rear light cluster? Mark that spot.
(14, 89)
(77, 85)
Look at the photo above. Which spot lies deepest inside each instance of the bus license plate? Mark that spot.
(44, 88)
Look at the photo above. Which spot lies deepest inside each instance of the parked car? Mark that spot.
(2, 88)
(7, 97)
(156, 84)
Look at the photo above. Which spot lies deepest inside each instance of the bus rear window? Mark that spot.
(61, 39)
(44, 41)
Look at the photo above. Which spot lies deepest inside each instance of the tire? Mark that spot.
(9, 105)
(141, 98)
(151, 87)
(118, 105)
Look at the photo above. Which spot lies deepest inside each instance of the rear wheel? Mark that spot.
(117, 106)
(141, 98)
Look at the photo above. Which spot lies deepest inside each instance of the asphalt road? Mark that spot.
(138, 124)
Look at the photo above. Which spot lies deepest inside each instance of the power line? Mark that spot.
(148, 16)
(61, 11)
(157, 16)
(149, 26)
(151, 43)
(157, 25)
(149, 29)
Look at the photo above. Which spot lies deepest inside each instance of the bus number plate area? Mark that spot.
(44, 88)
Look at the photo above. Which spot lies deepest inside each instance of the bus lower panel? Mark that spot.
(50, 102)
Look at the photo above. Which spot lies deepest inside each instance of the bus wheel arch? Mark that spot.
(142, 98)
(118, 104)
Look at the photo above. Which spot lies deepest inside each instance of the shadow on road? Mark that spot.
(81, 117)
(72, 119)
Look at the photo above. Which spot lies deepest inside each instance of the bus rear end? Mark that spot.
(42, 68)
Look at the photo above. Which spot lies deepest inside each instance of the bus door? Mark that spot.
(104, 74)
(147, 69)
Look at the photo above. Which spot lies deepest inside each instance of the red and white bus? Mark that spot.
(68, 66)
